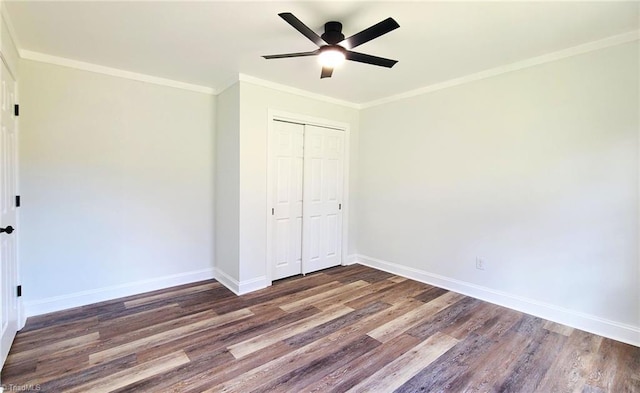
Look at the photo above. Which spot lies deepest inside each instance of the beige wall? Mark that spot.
(228, 183)
(117, 184)
(536, 171)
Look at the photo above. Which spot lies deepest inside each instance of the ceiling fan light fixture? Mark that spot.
(332, 56)
(330, 53)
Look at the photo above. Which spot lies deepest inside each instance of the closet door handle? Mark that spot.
(8, 229)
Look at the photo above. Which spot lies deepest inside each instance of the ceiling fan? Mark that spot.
(334, 48)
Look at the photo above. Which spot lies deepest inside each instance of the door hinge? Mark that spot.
(19, 290)
(17, 200)
(16, 110)
(273, 211)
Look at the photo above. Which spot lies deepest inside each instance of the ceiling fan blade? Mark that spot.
(302, 28)
(326, 72)
(298, 54)
(368, 59)
(372, 32)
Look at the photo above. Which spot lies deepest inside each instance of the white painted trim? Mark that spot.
(63, 302)
(583, 321)
(546, 58)
(274, 114)
(253, 285)
(305, 119)
(269, 199)
(296, 91)
(13, 38)
(240, 288)
(534, 61)
(228, 281)
(81, 65)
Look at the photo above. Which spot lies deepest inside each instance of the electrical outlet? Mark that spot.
(480, 263)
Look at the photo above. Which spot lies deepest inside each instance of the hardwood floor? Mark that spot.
(344, 329)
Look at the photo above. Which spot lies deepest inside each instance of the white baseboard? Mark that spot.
(240, 287)
(63, 302)
(590, 323)
(252, 285)
(228, 281)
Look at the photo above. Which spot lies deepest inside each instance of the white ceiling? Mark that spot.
(209, 43)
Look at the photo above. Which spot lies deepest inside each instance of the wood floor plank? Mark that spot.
(244, 348)
(454, 314)
(616, 367)
(448, 370)
(396, 373)
(209, 379)
(171, 294)
(173, 380)
(496, 364)
(397, 279)
(119, 324)
(71, 316)
(65, 381)
(339, 329)
(481, 314)
(430, 293)
(55, 347)
(297, 294)
(534, 362)
(46, 335)
(257, 377)
(127, 336)
(497, 325)
(299, 379)
(323, 296)
(569, 370)
(159, 338)
(353, 294)
(335, 324)
(403, 323)
(243, 331)
(266, 373)
(134, 374)
(350, 374)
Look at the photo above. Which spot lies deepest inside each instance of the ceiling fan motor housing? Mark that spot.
(332, 33)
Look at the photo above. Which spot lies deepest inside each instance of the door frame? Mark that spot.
(274, 114)
(21, 317)
(10, 99)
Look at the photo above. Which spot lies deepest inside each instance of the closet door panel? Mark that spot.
(323, 185)
(287, 196)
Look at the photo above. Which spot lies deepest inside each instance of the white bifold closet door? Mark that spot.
(323, 182)
(287, 149)
(307, 196)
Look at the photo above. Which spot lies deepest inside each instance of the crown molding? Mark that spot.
(534, 61)
(531, 62)
(296, 91)
(80, 65)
